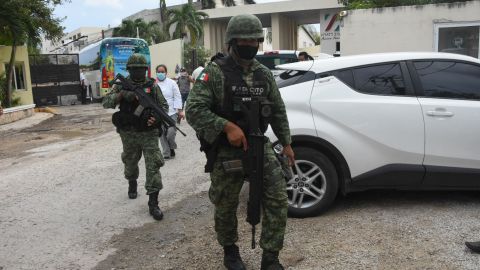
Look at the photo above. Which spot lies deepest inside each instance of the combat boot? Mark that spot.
(474, 246)
(153, 206)
(132, 189)
(270, 261)
(232, 259)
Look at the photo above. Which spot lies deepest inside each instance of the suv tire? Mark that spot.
(322, 181)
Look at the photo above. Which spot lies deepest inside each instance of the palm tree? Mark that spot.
(151, 31)
(186, 19)
(25, 22)
(163, 12)
(128, 28)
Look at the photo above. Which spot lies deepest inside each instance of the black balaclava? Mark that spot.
(137, 74)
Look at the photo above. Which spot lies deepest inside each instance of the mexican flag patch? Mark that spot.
(147, 90)
(203, 77)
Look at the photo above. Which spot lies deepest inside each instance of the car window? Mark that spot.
(346, 76)
(384, 79)
(448, 79)
(291, 77)
(271, 60)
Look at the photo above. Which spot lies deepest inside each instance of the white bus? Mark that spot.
(102, 61)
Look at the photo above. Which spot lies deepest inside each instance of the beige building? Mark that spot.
(282, 17)
(451, 27)
(22, 85)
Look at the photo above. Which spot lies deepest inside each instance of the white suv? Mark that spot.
(393, 120)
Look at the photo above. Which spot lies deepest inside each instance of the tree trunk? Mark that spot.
(11, 67)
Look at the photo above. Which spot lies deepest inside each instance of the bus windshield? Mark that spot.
(103, 60)
(115, 52)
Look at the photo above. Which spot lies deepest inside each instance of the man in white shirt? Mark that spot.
(172, 94)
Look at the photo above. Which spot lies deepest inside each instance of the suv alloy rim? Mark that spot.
(308, 185)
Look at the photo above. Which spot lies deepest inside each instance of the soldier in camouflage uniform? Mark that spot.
(138, 138)
(205, 109)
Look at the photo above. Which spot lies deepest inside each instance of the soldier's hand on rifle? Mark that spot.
(235, 135)
(151, 121)
(288, 151)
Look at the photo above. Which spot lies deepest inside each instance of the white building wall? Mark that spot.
(303, 39)
(92, 34)
(409, 28)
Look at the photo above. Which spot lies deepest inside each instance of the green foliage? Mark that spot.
(362, 4)
(27, 21)
(186, 18)
(202, 56)
(151, 31)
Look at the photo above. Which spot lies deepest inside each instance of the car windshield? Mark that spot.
(271, 60)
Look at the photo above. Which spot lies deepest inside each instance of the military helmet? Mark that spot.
(137, 60)
(244, 26)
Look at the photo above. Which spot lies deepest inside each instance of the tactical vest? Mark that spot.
(235, 86)
(127, 119)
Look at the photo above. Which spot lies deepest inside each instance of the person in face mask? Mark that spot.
(209, 110)
(138, 137)
(175, 110)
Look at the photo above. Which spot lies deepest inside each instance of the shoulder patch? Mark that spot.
(203, 77)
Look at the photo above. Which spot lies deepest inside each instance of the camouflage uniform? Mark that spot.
(225, 188)
(137, 142)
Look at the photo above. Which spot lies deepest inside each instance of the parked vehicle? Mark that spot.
(270, 59)
(393, 120)
(103, 60)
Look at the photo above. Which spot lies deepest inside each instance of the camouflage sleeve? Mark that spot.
(201, 100)
(110, 100)
(160, 98)
(279, 120)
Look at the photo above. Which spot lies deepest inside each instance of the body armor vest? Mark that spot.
(235, 87)
(128, 119)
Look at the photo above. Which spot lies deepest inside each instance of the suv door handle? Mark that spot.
(324, 80)
(442, 113)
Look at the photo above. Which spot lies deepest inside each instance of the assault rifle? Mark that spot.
(146, 103)
(255, 109)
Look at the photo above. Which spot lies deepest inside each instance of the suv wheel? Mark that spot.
(314, 185)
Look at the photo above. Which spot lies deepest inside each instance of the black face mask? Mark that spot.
(137, 74)
(246, 52)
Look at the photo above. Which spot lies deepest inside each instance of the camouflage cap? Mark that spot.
(244, 26)
(137, 60)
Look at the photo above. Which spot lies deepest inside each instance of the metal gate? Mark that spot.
(55, 76)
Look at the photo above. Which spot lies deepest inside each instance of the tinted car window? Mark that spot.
(291, 77)
(385, 79)
(346, 76)
(271, 60)
(449, 79)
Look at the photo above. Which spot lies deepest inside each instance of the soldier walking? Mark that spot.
(138, 137)
(209, 111)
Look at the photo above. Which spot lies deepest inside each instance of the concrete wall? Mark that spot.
(409, 28)
(169, 53)
(284, 32)
(26, 96)
(214, 35)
